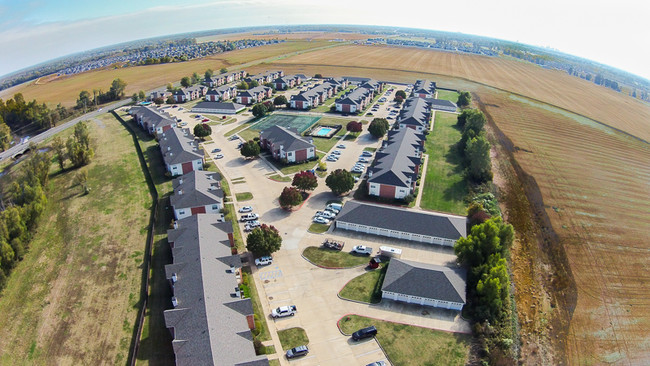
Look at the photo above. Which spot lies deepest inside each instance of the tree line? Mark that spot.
(25, 199)
(115, 92)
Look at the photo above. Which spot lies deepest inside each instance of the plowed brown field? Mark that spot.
(550, 86)
(595, 185)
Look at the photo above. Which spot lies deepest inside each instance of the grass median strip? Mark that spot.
(333, 258)
(244, 196)
(410, 345)
(365, 288)
(292, 337)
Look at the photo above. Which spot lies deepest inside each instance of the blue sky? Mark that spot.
(611, 33)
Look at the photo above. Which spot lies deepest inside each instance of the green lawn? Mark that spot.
(411, 345)
(451, 96)
(333, 258)
(261, 331)
(280, 178)
(371, 149)
(293, 168)
(365, 288)
(292, 337)
(318, 228)
(244, 196)
(325, 145)
(444, 184)
(274, 362)
(249, 134)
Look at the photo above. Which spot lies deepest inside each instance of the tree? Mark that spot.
(208, 74)
(378, 127)
(243, 85)
(491, 237)
(250, 149)
(170, 100)
(159, 100)
(117, 89)
(340, 181)
(78, 145)
(305, 181)
(263, 240)
(259, 110)
(202, 130)
(280, 100)
(186, 82)
(354, 126)
(399, 100)
(59, 149)
(400, 93)
(492, 290)
(464, 99)
(474, 123)
(5, 135)
(253, 84)
(170, 87)
(477, 155)
(142, 95)
(223, 70)
(318, 76)
(322, 166)
(196, 78)
(84, 100)
(134, 97)
(290, 197)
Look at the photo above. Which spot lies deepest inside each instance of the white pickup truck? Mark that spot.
(362, 249)
(283, 311)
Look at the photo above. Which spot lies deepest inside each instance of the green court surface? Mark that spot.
(300, 123)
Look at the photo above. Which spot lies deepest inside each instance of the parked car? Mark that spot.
(364, 160)
(216, 150)
(180, 108)
(218, 156)
(205, 120)
(340, 146)
(251, 225)
(377, 363)
(333, 244)
(362, 249)
(366, 153)
(326, 214)
(335, 206)
(332, 158)
(321, 220)
(233, 137)
(249, 217)
(336, 152)
(363, 333)
(198, 116)
(297, 351)
(182, 124)
(356, 169)
(246, 209)
(263, 261)
(283, 311)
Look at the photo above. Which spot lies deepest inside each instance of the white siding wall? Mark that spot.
(421, 301)
(197, 164)
(395, 234)
(175, 169)
(182, 213)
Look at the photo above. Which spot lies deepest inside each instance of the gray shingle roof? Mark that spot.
(416, 112)
(425, 280)
(410, 221)
(424, 87)
(178, 146)
(196, 188)
(355, 96)
(286, 137)
(396, 161)
(437, 103)
(210, 327)
(152, 117)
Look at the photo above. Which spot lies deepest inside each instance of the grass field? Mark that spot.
(410, 345)
(593, 186)
(66, 89)
(365, 288)
(444, 186)
(292, 337)
(451, 96)
(454, 70)
(73, 299)
(334, 259)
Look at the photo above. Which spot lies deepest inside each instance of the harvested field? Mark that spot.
(285, 36)
(595, 190)
(550, 86)
(66, 89)
(73, 300)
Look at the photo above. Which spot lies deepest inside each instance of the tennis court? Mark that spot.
(300, 123)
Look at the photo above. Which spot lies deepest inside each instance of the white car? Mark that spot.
(366, 153)
(246, 209)
(332, 158)
(321, 220)
(340, 146)
(218, 156)
(336, 152)
(263, 261)
(362, 249)
(251, 225)
(364, 160)
(356, 170)
(283, 311)
(249, 217)
(326, 214)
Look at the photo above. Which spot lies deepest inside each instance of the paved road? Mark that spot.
(20, 148)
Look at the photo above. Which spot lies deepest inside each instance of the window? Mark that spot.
(181, 212)
(215, 207)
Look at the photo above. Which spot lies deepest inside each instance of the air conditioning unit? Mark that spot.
(174, 301)
(174, 278)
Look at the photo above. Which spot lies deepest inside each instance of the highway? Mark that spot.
(20, 148)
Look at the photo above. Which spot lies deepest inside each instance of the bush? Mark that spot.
(354, 126)
(378, 127)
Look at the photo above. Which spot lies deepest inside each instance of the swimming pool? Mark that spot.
(324, 131)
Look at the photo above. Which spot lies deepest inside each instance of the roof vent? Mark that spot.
(180, 192)
(174, 301)
(174, 278)
(180, 181)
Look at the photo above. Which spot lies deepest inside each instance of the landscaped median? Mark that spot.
(292, 337)
(365, 288)
(406, 344)
(333, 259)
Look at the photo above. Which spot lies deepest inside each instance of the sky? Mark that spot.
(612, 33)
